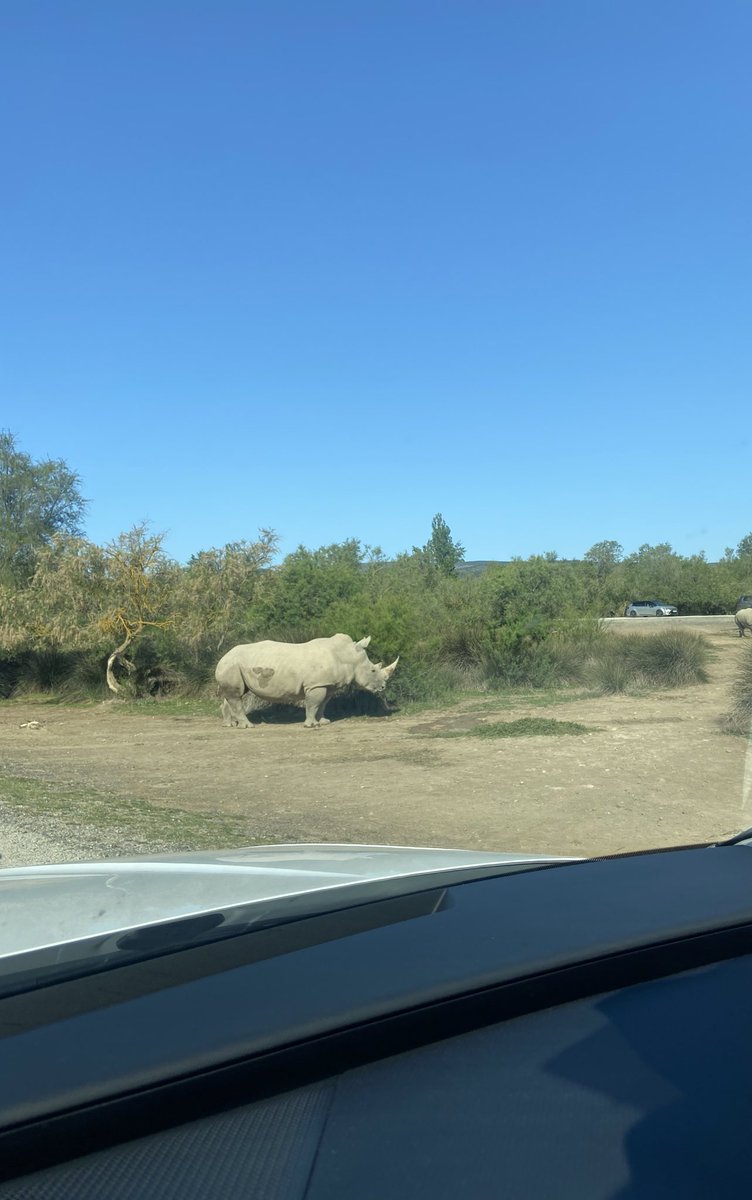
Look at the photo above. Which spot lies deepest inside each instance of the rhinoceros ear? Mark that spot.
(391, 668)
(363, 642)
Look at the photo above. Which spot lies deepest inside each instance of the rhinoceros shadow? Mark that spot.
(349, 703)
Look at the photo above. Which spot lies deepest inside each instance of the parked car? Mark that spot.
(743, 602)
(311, 1022)
(650, 608)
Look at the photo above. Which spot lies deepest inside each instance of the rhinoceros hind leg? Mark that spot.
(233, 713)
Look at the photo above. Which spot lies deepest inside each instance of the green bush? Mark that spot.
(391, 625)
(517, 625)
(299, 593)
(86, 678)
(10, 673)
(610, 675)
(673, 658)
(46, 670)
(583, 652)
(574, 646)
(430, 683)
(739, 720)
(71, 675)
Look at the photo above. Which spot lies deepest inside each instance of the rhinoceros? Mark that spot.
(743, 620)
(305, 673)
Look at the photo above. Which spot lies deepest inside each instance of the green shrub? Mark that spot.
(516, 625)
(10, 673)
(85, 679)
(513, 654)
(673, 658)
(45, 670)
(430, 683)
(302, 589)
(739, 720)
(584, 652)
(390, 623)
(610, 675)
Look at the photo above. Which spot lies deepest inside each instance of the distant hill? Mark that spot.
(478, 566)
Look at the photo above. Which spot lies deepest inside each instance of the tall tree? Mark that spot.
(604, 556)
(744, 549)
(298, 592)
(441, 551)
(38, 500)
(141, 583)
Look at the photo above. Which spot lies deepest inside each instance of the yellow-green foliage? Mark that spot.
(523, 623)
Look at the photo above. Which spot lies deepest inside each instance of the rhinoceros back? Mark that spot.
(282, 671)
(744, 620)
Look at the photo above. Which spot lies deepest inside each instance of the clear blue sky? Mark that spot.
(332, 266)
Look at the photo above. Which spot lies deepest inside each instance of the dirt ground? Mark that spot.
(656, 770)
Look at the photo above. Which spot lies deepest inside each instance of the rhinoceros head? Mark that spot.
(373, 677)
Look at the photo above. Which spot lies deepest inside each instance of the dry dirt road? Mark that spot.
(655, 770)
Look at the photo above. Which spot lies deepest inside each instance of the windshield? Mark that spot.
(361, 364)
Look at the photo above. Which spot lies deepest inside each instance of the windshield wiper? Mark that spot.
(744, 836)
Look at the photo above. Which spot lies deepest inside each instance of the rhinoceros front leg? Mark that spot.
(315, 703)
(233, 713)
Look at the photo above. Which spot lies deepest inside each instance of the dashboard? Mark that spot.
(580, 1030)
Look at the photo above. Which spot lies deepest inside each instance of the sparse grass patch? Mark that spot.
(537, 699)
(52, 699)
(524, 727)
(83, 808)
(171, 706)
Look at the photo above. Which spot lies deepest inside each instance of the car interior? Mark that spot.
(579, 1030)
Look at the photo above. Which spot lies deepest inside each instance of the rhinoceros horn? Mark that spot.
(391, 668)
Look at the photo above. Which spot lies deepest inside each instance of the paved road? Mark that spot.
(712, 624)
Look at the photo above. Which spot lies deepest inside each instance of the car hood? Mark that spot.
(61, 906)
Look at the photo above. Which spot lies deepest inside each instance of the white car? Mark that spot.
(89, 913)
(650, 608)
